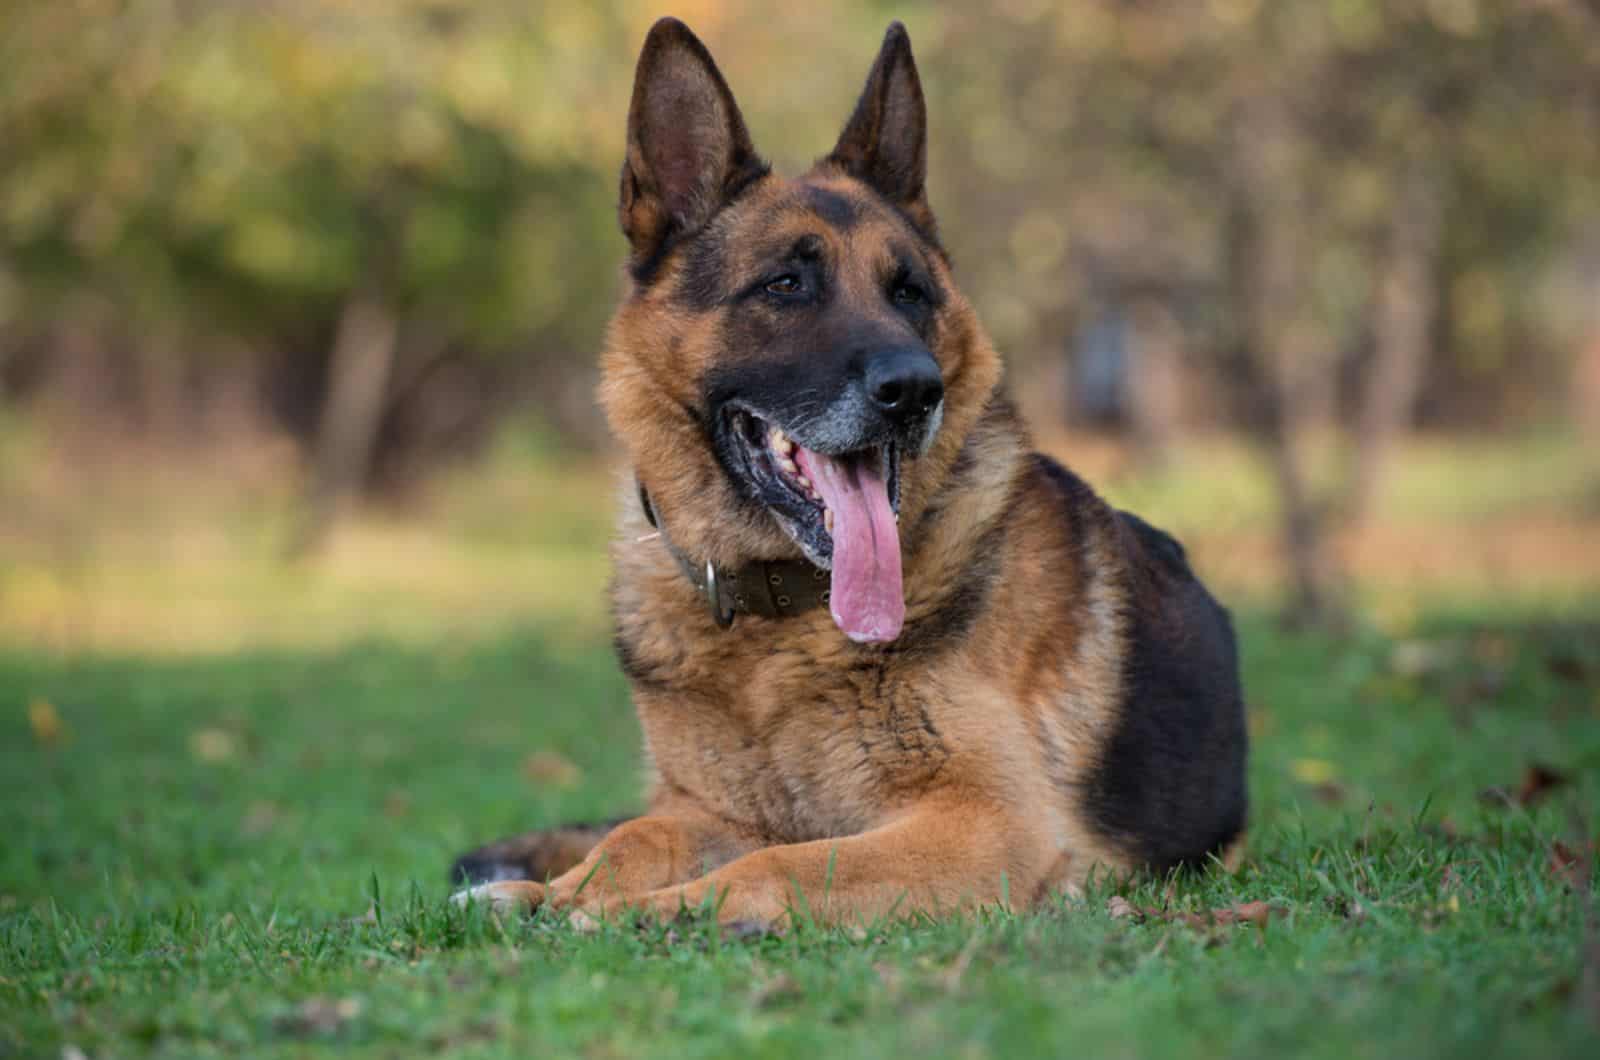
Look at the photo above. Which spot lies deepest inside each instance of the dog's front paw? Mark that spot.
(503, 896)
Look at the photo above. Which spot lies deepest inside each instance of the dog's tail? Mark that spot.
(537, 856)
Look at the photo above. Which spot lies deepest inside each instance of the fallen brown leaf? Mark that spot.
(1444, 828)
(1247, 913)
(1313, 771)
(550, 768)
(1329, 792)
(213, 745)
(1571, 865)
(1568, 668)
(1414, 658)
(48, 728)
(1538, 781)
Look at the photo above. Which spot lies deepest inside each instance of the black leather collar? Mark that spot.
(771, 589)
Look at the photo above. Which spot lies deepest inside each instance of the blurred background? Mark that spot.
(300, 302)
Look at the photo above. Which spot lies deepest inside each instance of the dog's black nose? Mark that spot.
(903, 382)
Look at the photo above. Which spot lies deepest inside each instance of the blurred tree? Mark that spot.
(1314, 183)
(323, 179)
(394, 220)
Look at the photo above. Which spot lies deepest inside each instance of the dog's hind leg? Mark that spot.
(541, 855)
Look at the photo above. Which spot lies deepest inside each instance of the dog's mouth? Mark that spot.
(840, 508)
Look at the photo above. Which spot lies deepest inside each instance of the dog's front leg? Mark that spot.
(634, 859)
(939, 858)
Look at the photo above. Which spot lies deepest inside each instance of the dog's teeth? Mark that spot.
(805, 483)
(780, 441)
(827, 519)
(789, 466)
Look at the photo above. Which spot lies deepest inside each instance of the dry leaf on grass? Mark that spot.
(213, 745)
(1329, 793)
(1416, 658)
(48, 728)
(1568, 667)
(551, 769)
(1538, 781)
(1246, 913)
(1313, 771)
(1571, 865)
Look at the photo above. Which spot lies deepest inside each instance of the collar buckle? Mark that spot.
(721, 613)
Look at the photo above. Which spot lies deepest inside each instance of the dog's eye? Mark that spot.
(908, 294)
(785, 285)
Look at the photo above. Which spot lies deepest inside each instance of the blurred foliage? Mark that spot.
(198, 185)
(1107, 136)
(239, 166)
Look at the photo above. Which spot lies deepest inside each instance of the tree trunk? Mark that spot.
(1586, 369)
(1155, 398)
(1404, 307)
(359, 368)
(1284, 353)
(1586, 389)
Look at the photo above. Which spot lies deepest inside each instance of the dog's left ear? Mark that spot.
(885, 143)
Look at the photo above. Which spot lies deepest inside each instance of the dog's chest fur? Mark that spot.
(783, 729)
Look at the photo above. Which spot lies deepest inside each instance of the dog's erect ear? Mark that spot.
(885, 142)
(688, 149)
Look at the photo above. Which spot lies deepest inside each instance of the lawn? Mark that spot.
(244, 853)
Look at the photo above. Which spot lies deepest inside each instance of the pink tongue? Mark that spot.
(867, 600)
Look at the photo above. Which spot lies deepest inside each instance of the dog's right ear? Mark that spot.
(688, 149)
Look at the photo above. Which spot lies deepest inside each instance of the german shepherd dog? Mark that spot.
(887, 660)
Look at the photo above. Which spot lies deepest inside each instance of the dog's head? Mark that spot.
(793, 368)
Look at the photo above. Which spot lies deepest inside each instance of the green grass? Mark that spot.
(185, 865)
